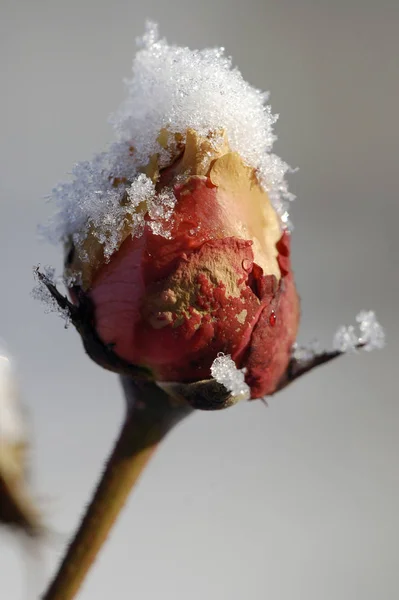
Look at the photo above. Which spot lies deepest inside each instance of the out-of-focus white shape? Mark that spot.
(224, 370)
(16, 506)
(176, 89)
(371, 336)
(12, 428)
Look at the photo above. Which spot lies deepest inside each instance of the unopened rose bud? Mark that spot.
(177, 235)
(219, 282)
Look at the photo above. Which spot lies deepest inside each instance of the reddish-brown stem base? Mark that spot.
(149, 417)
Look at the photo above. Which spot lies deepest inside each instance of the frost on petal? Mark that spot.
(224, 370)
(160, 211)
(159, 207)
(172, 90)
(371, 336)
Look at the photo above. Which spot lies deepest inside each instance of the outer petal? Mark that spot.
(178, 324)
(269, 351)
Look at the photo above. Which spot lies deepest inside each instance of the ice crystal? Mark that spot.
(40, 292)
(224, 370)
(371, 335)
(174, 89)
(345, 339)
(306, 353)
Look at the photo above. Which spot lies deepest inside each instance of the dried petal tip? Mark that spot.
(224, 370)
(372, 335)
(41, 292)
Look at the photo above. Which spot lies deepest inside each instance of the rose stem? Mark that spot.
(150, 415)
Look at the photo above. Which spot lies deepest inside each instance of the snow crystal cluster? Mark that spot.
(173, 89)
(371, 337)
(224, 370)
(305, 353)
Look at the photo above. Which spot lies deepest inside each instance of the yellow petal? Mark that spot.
(249, 208)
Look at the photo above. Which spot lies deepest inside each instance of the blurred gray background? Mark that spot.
(297, 501)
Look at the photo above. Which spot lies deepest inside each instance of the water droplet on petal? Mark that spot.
(246, 264)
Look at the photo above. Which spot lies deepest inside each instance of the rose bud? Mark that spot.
(177, 235)
(219, 282)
